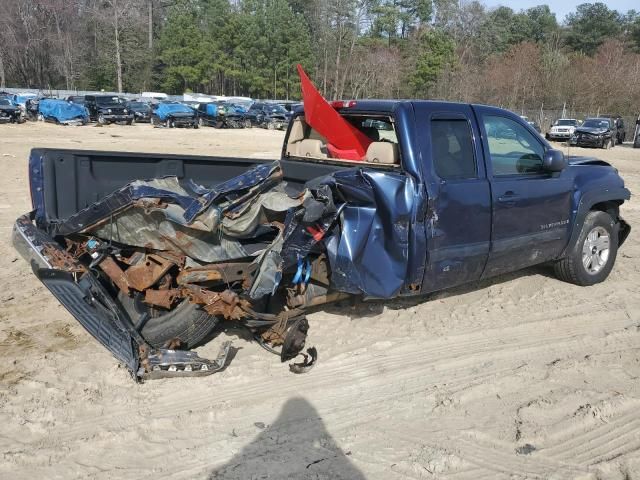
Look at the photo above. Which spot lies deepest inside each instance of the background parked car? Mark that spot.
(173, 114)
(595, 132)
(221, 115)
(562, 129)
(62, 112)
(141, 111)
(621, 131)
(268, 115)
(533, 123)
(9, 113)
(107, 109)
(79, 99)
(20, 99)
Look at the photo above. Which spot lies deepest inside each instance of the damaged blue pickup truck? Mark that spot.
(151, 252)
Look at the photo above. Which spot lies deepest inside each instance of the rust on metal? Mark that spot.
(223, 272)
(146, 273)
(162, 298)
(305, 299)
(115, 273)
(62, 260)
(227, 303)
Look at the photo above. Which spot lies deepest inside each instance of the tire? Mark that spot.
(171, 124)
(102, 120)
(271, 126)
(131, 122)
(186, 321)
(201, 122)
(153, 122)
(40, 117)
(247, 123)
(583, 268)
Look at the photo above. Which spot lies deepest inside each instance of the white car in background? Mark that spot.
(562, 129)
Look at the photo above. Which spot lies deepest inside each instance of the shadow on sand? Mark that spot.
(296, 446)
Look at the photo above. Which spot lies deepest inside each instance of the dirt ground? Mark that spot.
(519, 377)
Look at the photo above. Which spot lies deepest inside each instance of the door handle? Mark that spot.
(509, 198)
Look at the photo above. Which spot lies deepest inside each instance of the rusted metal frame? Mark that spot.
(147, 273)
(224, 272)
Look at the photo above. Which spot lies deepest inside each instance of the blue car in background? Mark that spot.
(173, 114)
(20, 99)
(222, 115)
(62, 112)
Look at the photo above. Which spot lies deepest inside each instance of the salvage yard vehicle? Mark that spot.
(221, 115)
(62, 112)
(10, 113)
(268, 115)
(79, 99)
(370, 199)
(595, 132)
(620, 129)
(562, 129)
(173, 114)
(107, 109)
(141, 111)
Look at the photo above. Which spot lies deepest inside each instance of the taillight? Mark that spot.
(343, 104)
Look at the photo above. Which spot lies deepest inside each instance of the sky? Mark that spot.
(561, 8)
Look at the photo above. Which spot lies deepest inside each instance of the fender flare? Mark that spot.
(587, 201)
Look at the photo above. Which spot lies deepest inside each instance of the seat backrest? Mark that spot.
(383, 152)
(311, 148)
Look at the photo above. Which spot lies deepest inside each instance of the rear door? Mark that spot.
(531, 208)
(459, 216)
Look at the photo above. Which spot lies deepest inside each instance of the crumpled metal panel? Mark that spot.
(369, 253)
(137, 228)
(363, 217)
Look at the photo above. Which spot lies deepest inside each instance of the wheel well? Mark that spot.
(612, 207)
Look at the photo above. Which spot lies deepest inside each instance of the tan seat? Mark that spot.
(311, 148)
(383, 152)
(295, 137)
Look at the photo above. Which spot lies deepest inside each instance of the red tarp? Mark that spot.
(343, 139)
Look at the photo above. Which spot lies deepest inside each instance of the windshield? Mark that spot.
(140, 105)
(595, 123)
(107, 100)
(566, 123)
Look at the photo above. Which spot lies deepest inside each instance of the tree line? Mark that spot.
(446, 49)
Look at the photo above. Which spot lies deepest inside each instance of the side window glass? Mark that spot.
(452, 149)
(513, 149)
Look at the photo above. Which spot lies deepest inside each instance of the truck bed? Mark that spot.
(75, 179)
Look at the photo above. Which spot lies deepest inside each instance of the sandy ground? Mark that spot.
(519, 377)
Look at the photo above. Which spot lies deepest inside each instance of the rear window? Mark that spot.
(452, 149)
(304, 141)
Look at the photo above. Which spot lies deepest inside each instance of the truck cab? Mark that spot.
(496, 197)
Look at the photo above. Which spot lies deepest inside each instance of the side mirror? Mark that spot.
(554, 161)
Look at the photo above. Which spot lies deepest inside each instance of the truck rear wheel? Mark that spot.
(186, 321)
(592, 257)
